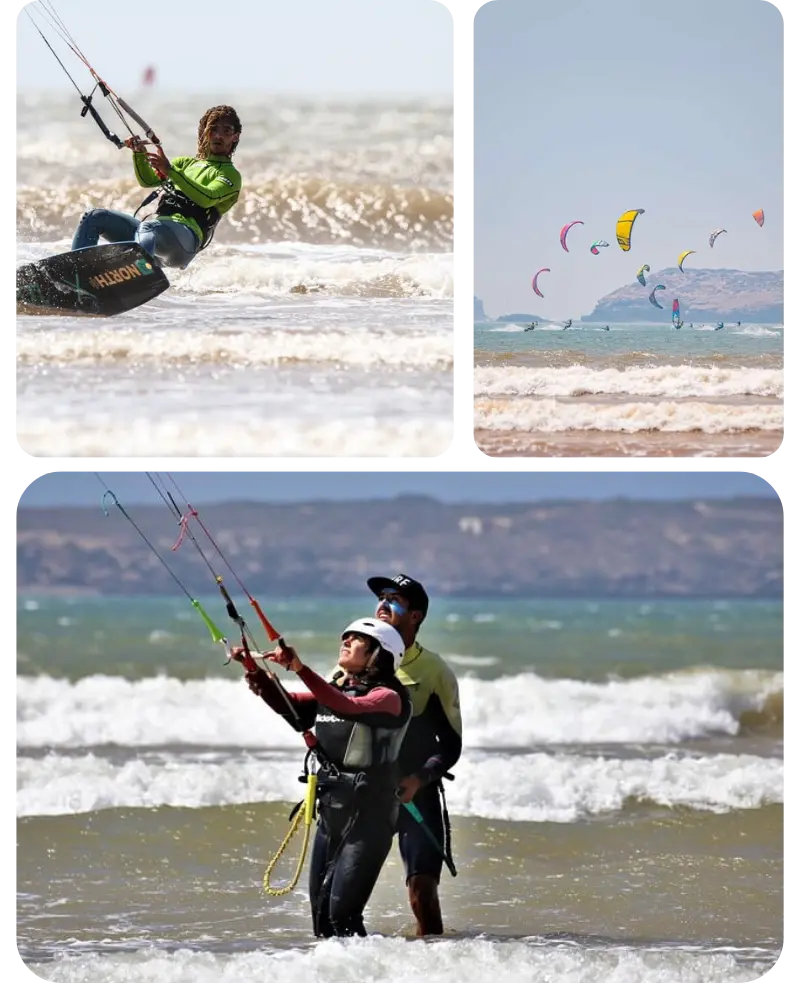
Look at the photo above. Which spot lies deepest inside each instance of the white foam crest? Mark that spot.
(548, 415)
(327, 271)
(157, 711)
(526, 710)
(519, 711)
(377, 959)
(538, 787)
(356, 348)
(563, 788)
(674, 381)
(56, 785)
(194, 436)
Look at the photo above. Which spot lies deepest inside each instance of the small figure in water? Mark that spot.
(691, 326)
(531, 326)
(568, 324)
(719, 326)
(606, 328)
(738, 322)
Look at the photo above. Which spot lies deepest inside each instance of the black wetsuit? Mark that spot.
(360, 726)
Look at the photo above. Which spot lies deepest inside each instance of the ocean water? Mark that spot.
(318, 320)
(639, 388)
(617, 812)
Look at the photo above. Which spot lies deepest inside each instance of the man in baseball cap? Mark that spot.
(431, 746)
(410, 590)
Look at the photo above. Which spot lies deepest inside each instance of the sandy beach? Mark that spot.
(641, 444)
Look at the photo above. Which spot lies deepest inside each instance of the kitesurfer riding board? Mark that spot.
(196, 191)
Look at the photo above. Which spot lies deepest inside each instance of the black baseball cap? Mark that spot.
(412, 590)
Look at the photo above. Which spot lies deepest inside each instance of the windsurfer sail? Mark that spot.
(677, 322)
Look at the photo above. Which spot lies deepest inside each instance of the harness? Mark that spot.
(175, 202)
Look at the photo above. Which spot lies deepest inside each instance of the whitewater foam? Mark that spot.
(673, 381)
(550, 415)
(518, 711)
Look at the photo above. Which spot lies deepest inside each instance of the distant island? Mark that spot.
(706, 295)
(481, 317)
(521, 318)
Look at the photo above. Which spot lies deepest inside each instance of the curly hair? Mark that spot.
(212, 117)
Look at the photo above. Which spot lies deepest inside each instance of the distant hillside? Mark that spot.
(520, 318)
(614, 548)
(479, 314)
(705, 295)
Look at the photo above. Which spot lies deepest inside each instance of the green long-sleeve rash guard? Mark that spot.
(210, 183)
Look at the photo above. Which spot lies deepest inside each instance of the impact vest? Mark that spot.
(354, 746)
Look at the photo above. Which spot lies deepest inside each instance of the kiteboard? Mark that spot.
(96, 281)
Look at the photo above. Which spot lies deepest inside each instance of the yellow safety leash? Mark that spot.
(306, 816)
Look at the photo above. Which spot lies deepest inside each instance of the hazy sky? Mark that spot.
(319, 47)
(83, 488)
(585, 109)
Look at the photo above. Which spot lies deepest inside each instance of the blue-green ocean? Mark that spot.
(638, 388)
(617, 811)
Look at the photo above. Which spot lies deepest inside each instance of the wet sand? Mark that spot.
(651, 444)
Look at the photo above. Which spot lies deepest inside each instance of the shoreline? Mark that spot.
(616, 444)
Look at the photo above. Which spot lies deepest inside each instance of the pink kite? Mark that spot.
(565, 230)
(534, 284)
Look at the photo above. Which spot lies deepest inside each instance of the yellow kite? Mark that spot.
(625, 225)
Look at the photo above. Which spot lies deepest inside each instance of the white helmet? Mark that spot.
(386, 635)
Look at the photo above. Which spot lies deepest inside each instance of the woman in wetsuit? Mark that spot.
(359, 719)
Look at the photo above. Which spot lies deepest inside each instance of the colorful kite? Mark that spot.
(565, 230)
(534, 283)
(596, 245)
(640, 274)
(713, 237)
(682, 257)
(653, 296)
(758, 215)
(625, 225)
